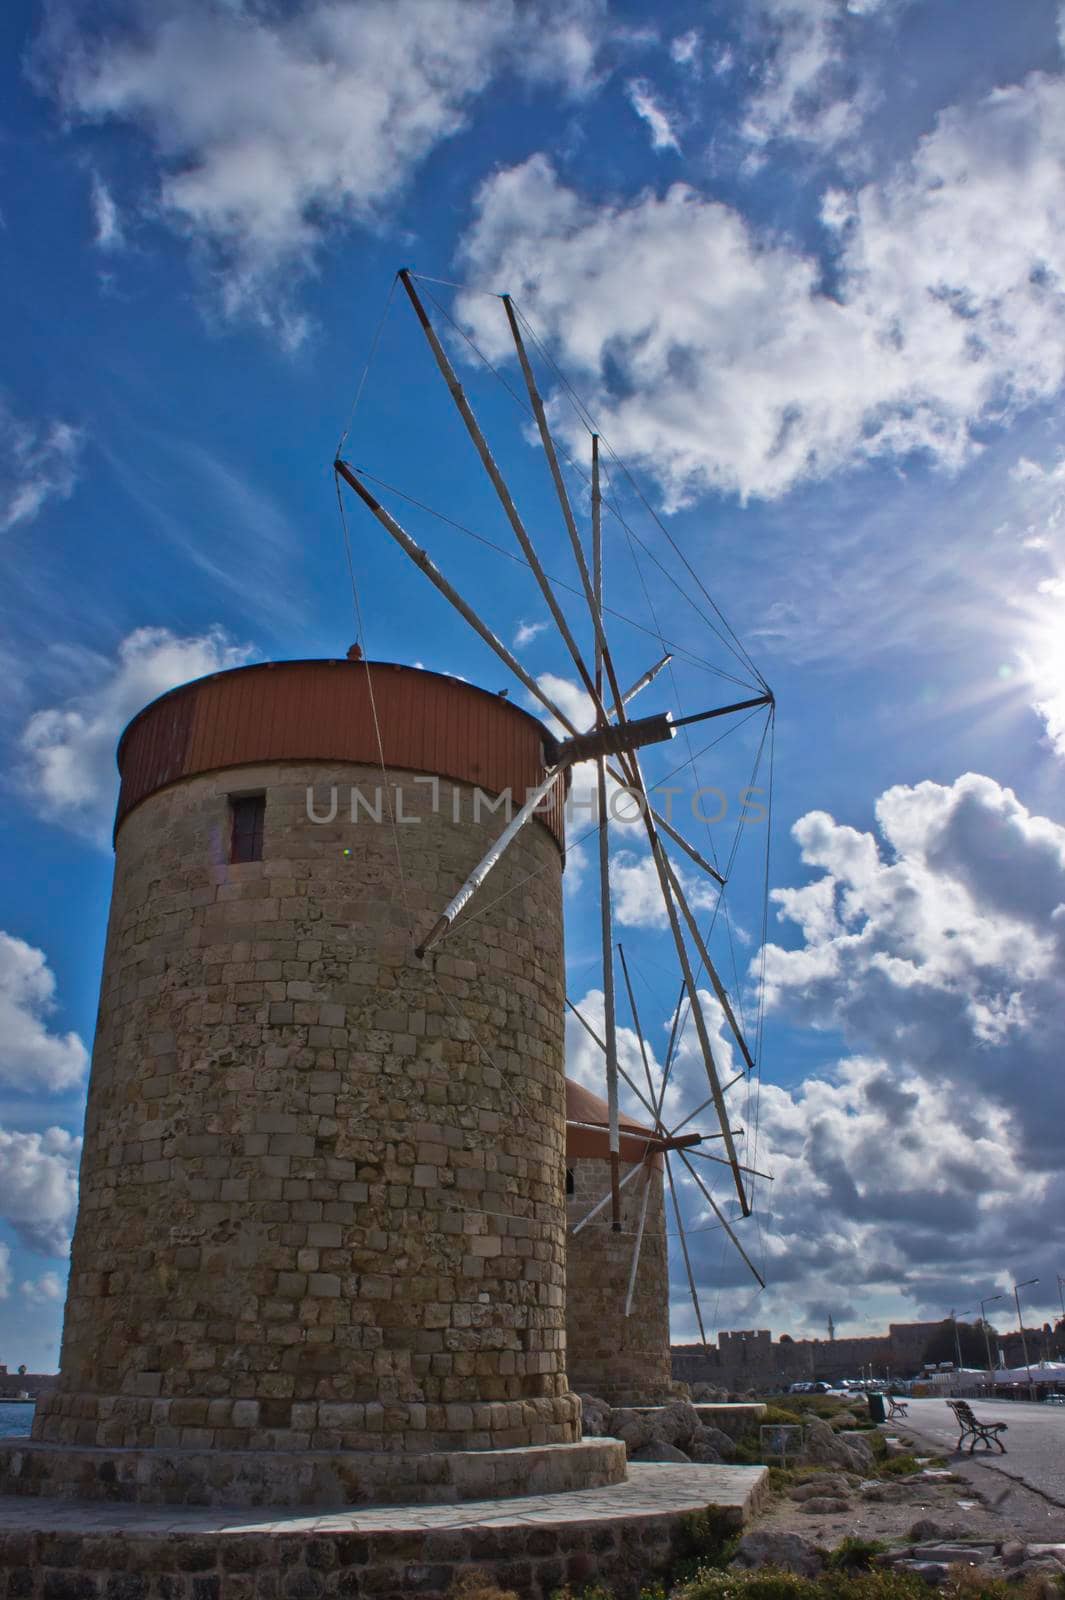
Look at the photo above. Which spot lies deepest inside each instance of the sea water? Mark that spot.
(16, 1416)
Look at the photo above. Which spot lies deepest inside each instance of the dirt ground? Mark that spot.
(982, 1506)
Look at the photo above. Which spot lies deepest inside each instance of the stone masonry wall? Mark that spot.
(322, 1184)
(622, 1359)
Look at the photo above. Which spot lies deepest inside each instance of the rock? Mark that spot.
(893, 1493)
(658, 1450)
(860, 1448)
(925, 1529)
(788, 1552)
(826, 1483)
(824, 1506)
(707, 1394)
(710, 1438)
(1013, 1552)
(595, 1417)
(835, 1450)
(1035, 1566)
(633, 1427)
(954, 1555)
(675, 1423)
(932, 1574)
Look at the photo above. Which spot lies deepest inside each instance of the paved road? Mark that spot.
(1035, 1443)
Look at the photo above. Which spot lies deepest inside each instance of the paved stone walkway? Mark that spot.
(652, 1489)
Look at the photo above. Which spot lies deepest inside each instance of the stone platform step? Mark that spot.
(620, 1534)
(329, 1480)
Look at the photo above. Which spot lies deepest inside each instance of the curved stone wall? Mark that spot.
(322, 1187)
(623, 1359)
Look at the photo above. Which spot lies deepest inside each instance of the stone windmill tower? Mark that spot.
(320, 1253)
(617, 1300)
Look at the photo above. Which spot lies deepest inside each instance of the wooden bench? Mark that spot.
(896, 1408)
(970, 1425)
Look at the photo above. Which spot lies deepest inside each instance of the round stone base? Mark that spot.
(195, 1422)
(624, 1536)
(304, 1478)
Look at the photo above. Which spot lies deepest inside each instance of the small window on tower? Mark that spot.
(571, 1187)
(246, 840)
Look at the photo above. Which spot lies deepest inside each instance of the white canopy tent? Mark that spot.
(1050, 1373)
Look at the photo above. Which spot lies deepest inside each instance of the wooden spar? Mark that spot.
(641, 683)
(711, 971)
(704, 1155)
(668, 828)
(487, 862)
(652, 1145)
(591, 594)
(610, 1026)
(639, 1239)
(684, 1249)
(689, 849)
(458, 394)
(422, 559)
(721, 1217)
(725, 711)
(605, 1201)
(725, 1087)
(639, 1035)
(658, 857)
(590, 1031)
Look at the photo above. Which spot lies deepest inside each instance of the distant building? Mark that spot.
(753, 1359)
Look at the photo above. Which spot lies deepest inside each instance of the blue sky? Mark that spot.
(803, 262)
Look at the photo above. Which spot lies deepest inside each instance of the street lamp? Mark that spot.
(987, 1337)
(957, 1340)
(1024, 1340)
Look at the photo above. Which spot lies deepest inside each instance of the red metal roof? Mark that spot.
(323, 711)
(587, 1124)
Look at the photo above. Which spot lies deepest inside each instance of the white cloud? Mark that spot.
(5, 1271)
(1038, 522)
(647, 108)
(809, 89)
(46, 1290)
(38, 463)
(718, 360)
(70, 749)
(31, 1057)
(39, 1187)
(943, 954)
(684, 48)
(926, 1161)
(108, 232)
(637, 894)
(527, 632)
(270, 126)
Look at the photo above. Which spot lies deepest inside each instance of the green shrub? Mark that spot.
(709, 1537)
(899, 1467)
(834, 1584)
(482, 1586)
(593, 1591)
(781, 1416)
(855, 1555)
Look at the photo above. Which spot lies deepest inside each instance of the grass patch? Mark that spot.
(878, 1584)
(481, 1586)
(855, 1555)
(899, 1467)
